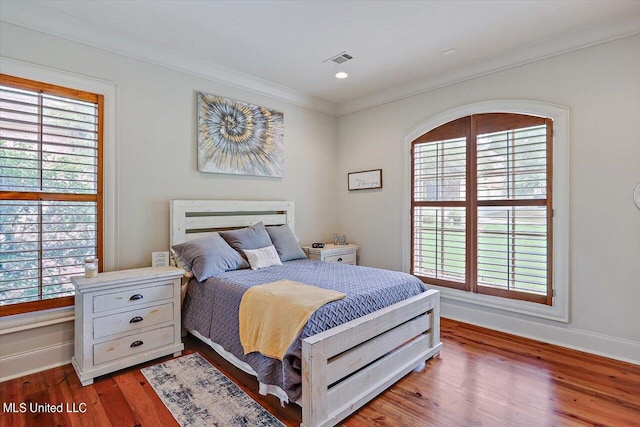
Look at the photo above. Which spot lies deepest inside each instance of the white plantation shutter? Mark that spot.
(44, 244)
(481, 206)
(440, 170)
(439, 194)
(512, 164)
(512, 234)
(50, 198)
(49, 143)
(439, 247)
(439, 228)
(512, 248)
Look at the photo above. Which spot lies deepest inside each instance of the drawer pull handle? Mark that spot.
(135, 297)
(339, 259)
(136, 344)
(136, 319)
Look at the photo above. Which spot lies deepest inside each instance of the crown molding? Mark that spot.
(60, 25)
(542, 50)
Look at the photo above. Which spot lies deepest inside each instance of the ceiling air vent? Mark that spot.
(340, 58)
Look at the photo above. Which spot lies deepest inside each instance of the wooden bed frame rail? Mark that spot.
(345, 367)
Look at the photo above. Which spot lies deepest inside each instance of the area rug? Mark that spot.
(197, 394)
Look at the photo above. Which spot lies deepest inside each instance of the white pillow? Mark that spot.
(263, 257)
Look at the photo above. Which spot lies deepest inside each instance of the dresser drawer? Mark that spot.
(132, 344)
(130, 320)
(349, 258)
(131, 297)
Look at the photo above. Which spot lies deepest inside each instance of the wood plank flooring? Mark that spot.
(481, 378)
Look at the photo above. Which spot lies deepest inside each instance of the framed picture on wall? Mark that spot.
(365, 180)
(239, 138)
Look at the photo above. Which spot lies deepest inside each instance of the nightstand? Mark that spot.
(125, 317)
(345, 254)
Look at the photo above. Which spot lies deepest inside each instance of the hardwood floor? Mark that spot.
(482, 377)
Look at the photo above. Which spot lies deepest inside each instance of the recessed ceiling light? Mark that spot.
(449, 52)
(341, 75)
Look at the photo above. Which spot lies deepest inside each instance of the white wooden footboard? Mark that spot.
(347, 366)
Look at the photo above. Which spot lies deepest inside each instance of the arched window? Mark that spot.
(481, 206)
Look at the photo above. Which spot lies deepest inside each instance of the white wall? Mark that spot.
(601, 86)
(157, 161)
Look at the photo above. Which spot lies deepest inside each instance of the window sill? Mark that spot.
(552, 312)
(35, 319)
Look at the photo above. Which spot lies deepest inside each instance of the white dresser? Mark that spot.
(345, 254)
(125, 317)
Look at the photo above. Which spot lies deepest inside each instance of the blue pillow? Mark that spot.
(254, 237)
(285, 242)
(207, 256)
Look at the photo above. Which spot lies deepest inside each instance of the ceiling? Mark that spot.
(278, 47)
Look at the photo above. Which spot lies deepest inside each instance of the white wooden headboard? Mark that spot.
(191, 219)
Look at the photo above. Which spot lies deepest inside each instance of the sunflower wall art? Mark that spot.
(238, 138)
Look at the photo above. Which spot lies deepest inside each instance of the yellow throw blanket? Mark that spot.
(272, 315)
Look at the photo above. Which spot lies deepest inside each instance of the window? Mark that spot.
(481, 206)
(50, 191)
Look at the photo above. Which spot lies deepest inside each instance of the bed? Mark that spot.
(350, 350)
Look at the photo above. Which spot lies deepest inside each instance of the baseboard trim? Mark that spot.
(40, 359)
(576, 339)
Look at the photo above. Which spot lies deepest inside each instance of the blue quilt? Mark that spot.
(211, 308)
